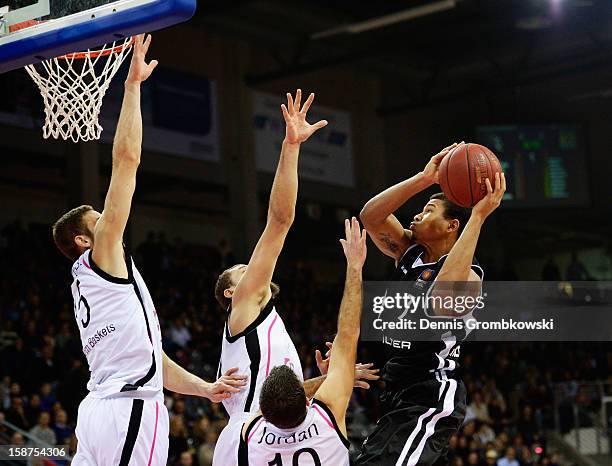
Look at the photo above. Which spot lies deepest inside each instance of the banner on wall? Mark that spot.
(326, 157)
(179, 114)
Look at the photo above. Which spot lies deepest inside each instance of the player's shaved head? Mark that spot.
(283, 400)
(69, 226)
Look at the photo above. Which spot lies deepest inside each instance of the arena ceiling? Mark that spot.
(436, 48)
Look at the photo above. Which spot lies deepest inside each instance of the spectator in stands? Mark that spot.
(550, 271)
(576, 271)
(178, 438)
(62, 430)
(42, 431)
(205, 453)
(485, 434)
(509, 459)
(478, 409)
(491, 457)
(32, 411)
(472, 459)
(527, 425)
(3, 428)
(18, 440)
(47, 397)
(16, 413)
(5, 392)
(179, 333)
(186, 459)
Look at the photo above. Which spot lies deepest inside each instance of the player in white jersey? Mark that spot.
(123, 420)
(291, 430)
(255, 339)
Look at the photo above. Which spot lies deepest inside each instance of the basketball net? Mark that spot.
(72, 88)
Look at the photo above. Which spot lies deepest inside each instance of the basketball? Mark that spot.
(463, 172)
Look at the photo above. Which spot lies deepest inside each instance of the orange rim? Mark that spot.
(95, 53)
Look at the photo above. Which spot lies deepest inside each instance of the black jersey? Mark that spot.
(423, 359)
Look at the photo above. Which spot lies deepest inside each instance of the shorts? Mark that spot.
(417, 426)
(122, 431)
(226, 449)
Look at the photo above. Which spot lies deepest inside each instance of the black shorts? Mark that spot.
(417, 426)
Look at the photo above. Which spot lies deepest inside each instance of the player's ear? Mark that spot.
(82, 241)
(228, 293)
(453, 225)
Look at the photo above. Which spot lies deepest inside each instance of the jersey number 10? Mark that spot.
(278, 461)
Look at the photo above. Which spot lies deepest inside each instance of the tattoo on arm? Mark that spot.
(388, 242)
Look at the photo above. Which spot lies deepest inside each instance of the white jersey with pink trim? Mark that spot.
(119, 330)
(255, 351)
(315, 442)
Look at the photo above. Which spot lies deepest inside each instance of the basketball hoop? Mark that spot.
(72, 89)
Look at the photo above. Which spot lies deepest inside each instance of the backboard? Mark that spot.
(36, 30)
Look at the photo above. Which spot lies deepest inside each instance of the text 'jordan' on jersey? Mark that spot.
(316, 441)
(119, 330)
(420, 360)
(263, 345)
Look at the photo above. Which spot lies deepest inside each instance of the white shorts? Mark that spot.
(122, 431)
(226, 449)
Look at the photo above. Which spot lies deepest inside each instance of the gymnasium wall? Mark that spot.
(206, 201)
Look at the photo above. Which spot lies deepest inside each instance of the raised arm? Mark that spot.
(177, 379)
(378, 216)
(336, 390)
(108, 235)
(253, 290)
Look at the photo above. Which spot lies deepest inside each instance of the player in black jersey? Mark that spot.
(423, 400)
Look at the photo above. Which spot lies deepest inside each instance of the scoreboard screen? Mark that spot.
(544, 165)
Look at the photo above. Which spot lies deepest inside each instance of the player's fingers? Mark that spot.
(347, 229)
(497, 182)
(438, 157)
(448, 148)
(356, 230)
(235, 382)
(298, 100)
(369, 375)
(285, 112)
(147, 43)
(308, 103)
(503, 182)
(230, 371)
(363, 365)
(320, 124)
(153, 65)
(364, 235)
(489, 187)
(224, 387)
(318, 357)
(290, 103)
(362, 384)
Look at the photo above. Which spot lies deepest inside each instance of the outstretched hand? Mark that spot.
(298, 129)
(363, 372)
(354, 246)
(139, 69)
